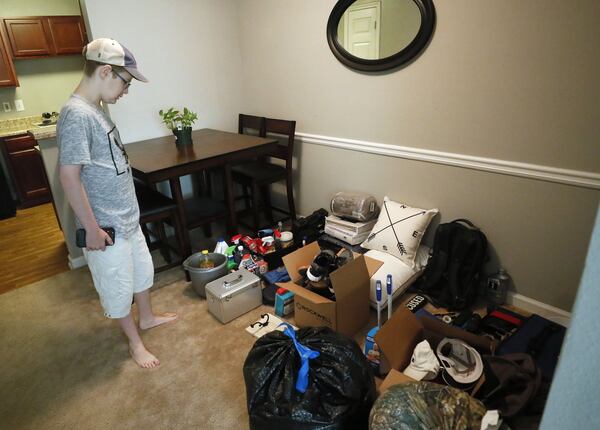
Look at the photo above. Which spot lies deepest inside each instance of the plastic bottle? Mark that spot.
(378, 296)
(238, 254)
(206, 263)
(497, 287)
(388, 289)
(221, 247)
(230, 262)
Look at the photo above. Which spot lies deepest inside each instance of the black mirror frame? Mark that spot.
(406, 55)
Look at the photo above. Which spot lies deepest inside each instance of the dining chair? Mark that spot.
(257, 176)
(156, 208)
(247, 123)
(203, 210)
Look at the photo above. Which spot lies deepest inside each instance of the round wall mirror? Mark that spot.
(377, 35)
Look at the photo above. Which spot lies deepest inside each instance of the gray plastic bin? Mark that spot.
(201, 277)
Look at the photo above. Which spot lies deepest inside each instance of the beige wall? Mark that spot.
(509, 80)
(10, 8)
(45, 83)
(189, 51)
(504, 79)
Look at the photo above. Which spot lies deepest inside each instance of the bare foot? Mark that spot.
(158, 320)
(143, 357)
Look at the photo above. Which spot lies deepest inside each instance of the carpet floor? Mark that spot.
(65, 366)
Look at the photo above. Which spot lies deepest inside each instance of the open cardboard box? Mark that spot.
(398, 337)
(351, 283)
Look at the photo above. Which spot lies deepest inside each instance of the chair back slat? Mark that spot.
(251, 122)
(286, 128)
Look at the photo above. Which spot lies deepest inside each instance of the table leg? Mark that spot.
(178, 197)
(230, 199)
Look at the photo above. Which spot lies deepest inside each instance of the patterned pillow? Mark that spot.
(399, 230)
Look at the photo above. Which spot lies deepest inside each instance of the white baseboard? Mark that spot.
(528, 304)
(76, 263)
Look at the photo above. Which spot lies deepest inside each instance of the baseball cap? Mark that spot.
(461, 361)
(423, 363)
(109, 51)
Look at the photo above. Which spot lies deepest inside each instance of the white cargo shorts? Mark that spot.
(120, 271)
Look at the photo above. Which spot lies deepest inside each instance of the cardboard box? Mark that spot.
(398, 337)
(351, 283)
(393, 378)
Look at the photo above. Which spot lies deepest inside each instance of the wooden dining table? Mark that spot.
(160, 159)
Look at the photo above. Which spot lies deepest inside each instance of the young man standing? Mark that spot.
(98, 182)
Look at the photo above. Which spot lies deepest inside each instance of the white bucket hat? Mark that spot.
(424, 364)
(462, 362)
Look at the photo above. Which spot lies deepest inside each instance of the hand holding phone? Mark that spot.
(80, 237)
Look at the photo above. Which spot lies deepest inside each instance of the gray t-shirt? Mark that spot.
(87, 137)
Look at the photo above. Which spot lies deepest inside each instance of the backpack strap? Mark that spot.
(466, 221)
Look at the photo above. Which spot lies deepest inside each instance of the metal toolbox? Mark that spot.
(233, 295)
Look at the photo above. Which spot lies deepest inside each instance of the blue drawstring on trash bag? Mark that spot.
(305, 355)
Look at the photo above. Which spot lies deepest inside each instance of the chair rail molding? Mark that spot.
(577, 178)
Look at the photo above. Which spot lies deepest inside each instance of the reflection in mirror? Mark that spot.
(374, 29)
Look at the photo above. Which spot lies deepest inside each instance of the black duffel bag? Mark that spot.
(331, 387)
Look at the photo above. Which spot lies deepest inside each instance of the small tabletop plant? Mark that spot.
(180, 123)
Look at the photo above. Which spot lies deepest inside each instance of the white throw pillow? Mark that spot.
(402, 275)
(399, 230)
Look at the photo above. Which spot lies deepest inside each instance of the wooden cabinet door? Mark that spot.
(67, 34)
(27, 36)
(8, 77)
(27, 168)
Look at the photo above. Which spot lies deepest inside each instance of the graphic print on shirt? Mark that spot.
(117, 152)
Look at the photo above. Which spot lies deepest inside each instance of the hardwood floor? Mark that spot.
(32, 247)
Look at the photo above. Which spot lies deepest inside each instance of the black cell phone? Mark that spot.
(80, 236)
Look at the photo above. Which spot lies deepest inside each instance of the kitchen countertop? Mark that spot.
(40, 133)
(26, 125)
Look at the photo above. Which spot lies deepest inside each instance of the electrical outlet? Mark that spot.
(19, 106)
(6, 106)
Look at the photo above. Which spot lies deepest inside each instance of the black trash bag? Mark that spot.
(340, 388)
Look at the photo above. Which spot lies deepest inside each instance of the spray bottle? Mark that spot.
(378, 296)
(388, 285)
(371, 348)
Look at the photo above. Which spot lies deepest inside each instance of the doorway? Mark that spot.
(361, 30)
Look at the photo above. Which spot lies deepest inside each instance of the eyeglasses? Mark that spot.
(125, 81)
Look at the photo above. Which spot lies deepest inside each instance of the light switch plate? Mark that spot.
(6, 106)
(19, 106)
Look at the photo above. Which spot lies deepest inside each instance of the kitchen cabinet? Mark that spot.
(27, 169)
(43, 36)
(68, 34)
(8, 77)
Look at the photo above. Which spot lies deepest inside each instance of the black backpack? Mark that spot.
(451, 277)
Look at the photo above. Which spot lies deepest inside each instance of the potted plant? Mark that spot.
(180, 123)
